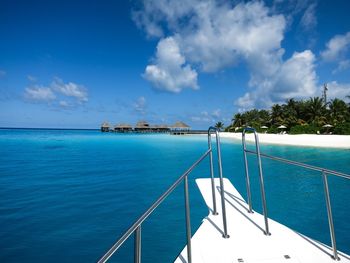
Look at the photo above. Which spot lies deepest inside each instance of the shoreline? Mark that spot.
(310, 140)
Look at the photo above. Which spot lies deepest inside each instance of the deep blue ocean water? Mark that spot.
(67, 195)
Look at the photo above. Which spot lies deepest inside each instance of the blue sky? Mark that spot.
(75, 64)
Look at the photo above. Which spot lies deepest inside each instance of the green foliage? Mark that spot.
(219, 125)
(303, 116)
(273, 129)
(343, 128)
(304, 129)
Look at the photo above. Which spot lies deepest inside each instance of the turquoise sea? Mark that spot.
(67, 195)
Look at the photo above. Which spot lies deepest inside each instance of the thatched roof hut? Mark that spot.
(142, 126)
(122, 127)
(160, 128)
(105, 127)
(164, 127)
(180, 126)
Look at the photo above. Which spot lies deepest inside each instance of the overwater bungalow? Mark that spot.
(123, 127)
(105, 127)
(180, 128)
(160, 128)
(142, 126)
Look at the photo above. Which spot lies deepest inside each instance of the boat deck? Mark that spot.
(247, 242)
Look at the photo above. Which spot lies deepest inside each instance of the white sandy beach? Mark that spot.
(330, 141)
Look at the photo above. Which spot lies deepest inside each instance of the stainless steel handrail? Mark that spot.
(136, 227)
(324, 173)
(261, 177)
(222, 190)
(308, 166)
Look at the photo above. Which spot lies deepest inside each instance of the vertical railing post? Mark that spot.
(137, 245)
(262, 187)
(247, 179)
(212, 173)
(188, 221)
(261, 177)
(330, 216)
(222, 190)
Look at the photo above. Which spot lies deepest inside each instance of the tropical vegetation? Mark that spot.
(297, 116)
(219, 125)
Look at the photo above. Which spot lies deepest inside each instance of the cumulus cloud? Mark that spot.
(338, 90)
(342, 65)
(336, 51)
(70, 89)
(140, 105)
(309, 20)
(31, 78)
(170, 72)
(209, 36)
(64, 104)
(207, 117)
(216, 113)
(295, 78)
(224, 36)
(58, 93)
(39, 94)
(203, 117)
(213, 35)
(336, 47)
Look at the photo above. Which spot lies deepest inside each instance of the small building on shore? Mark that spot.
(105, 127)
(180, 128)
(142, 126)
(161, 128)
(123, 127)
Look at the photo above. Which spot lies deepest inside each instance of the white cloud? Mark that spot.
(295, 78)
(64, 104)
(31, 78)
(58, 93)
(214, 35)
(155, 11)
(336, 47)
(170, 72)
(308, 20)
(207, 117)
(70, 89)
(342, 65)
(140, 105)
(39, 94)
(208, 36)
(338, 90)
(223, 36)
(216, 113)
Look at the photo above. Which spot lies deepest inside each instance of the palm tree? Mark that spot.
(277, 115)
(290, 112)
(264, 117)
(316, 111)
(219, 125)
(338, 111)
(237, 120)
(252, 118)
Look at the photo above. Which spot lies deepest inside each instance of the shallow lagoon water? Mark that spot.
(67, 195)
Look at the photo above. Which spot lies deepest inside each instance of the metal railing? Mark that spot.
(261, 178)
(222, 190)
(136, 227)
(324, 173)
